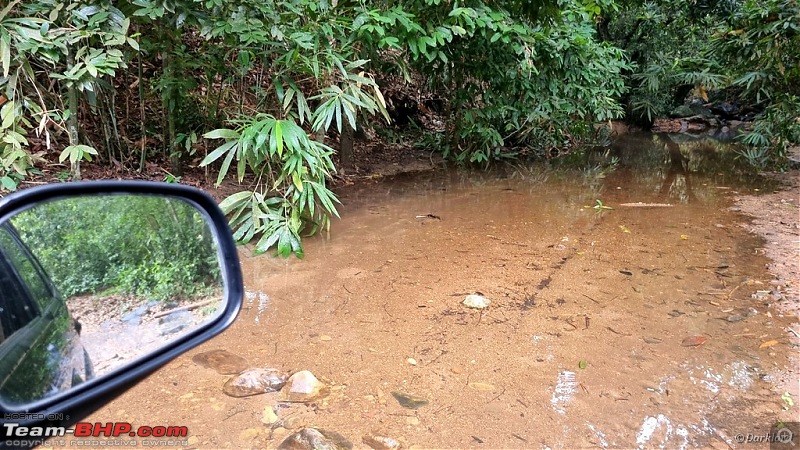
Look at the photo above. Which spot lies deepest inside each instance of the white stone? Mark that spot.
(476, 301)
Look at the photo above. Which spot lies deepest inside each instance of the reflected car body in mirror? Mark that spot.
(41, 352)
(101, 283)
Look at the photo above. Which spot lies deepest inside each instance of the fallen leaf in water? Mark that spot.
(767, 344)
(788, 401)
(409, 401)
(693, 341)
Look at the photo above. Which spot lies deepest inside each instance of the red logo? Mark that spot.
(117, 429)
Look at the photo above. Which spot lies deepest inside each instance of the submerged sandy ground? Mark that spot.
(584, 345)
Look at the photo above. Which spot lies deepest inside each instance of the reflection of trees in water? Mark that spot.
(671, 164)
(677, 183)
(667, 164)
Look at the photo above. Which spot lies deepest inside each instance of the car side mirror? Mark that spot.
(101, 283)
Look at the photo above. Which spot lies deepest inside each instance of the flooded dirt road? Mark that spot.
(638, 326)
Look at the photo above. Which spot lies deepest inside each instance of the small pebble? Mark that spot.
(269, 417)
(378, 442)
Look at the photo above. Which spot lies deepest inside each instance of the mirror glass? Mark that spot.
(89, 284)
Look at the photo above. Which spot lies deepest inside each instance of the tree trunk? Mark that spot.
(72, 121)
(346, 157)
(142, 117)
(169, 105)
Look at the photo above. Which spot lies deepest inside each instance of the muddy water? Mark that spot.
(586, 342)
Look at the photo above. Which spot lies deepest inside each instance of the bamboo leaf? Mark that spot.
(222, 133)
(219, 151)
(5, 52)
(279, 137)
(224, 169)
(234, 200)
(297, 180)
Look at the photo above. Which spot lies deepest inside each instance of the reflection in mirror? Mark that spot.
(88, 284)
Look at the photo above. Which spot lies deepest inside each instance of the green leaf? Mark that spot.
(284, 242)
(5, 52)
(298, 182)
(234, 200)
(65, 154)
(582, 364)
(8, 183)
(278, 137)
(459, 30)
(217, 153)
(132, 42)
(224, 169)
(350, 114)
(222, 133)
(267, 241)
(7, 114)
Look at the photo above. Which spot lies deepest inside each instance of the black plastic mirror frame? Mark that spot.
(69, 407)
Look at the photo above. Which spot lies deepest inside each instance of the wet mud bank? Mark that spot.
(774, 216)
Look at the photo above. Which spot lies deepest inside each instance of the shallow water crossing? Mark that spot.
(627, 306)
(629, 309)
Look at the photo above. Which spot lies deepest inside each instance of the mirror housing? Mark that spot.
(68, 407)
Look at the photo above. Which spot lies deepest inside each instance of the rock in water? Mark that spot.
(377, 442)
(476, 301)
(255, 381)
(303, 387)
(222, 361)
(314, 439)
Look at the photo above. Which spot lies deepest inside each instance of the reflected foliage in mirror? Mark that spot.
(89, 284)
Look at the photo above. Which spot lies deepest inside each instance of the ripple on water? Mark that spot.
(564, 391)
(261, 300)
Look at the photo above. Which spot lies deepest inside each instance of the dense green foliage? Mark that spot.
(761, 46)
(498, 70)
(151, 247)
(746, 52)
(266, 87)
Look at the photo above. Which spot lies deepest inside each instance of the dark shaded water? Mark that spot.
(669, 169)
